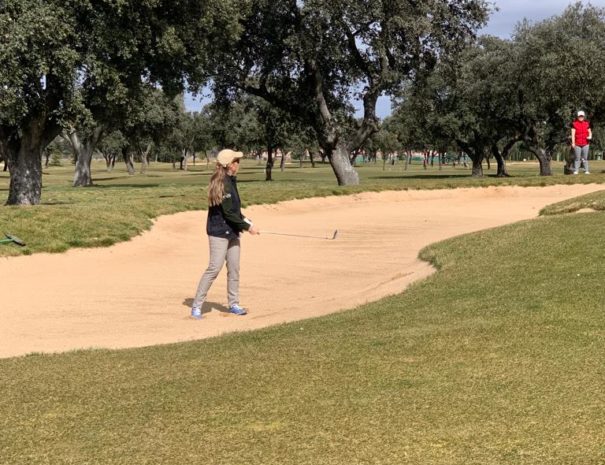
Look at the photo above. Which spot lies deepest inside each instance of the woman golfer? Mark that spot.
(225, 223)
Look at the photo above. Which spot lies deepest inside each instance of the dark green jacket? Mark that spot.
(226, 220)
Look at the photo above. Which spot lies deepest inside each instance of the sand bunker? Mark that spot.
(138, 293)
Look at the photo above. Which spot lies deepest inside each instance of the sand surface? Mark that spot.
(138, 293)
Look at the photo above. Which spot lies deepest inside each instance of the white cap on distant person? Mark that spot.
(581, 113)
(227, 156)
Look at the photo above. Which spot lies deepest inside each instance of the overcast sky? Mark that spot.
(502, 24)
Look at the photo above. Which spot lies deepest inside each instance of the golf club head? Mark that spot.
(15, 239)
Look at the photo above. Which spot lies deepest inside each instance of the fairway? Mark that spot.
(496, 359)
(139, 293)
(409, 198)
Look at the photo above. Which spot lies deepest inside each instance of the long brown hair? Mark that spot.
(216, 189)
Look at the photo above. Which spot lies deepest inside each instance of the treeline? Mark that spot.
(88, 67)
(109, 76)
(498, 96)
(160, 129)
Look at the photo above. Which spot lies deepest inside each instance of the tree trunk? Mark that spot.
(282, 163)
(110, 160)
(312, 159)
(269, 165)
(24, 154)
(341, 165)
(144, 154)
(26, 175)
(477, 166)
(501, 157)
(129, 160)
(477, 153)
(501, 161)
(544, 158)
(144, 162)
(570, 158)
(186, 160)
(82, 150)
(4, 156)
(83, 175)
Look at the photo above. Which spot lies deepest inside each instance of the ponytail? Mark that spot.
(216, 189)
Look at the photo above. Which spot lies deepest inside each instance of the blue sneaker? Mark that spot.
(237, 310)
(196, 313)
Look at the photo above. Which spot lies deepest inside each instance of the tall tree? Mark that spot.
(153, 117)
(561, 63)
(111, 147)
(469, 104)
(311, 58)
(53, 52)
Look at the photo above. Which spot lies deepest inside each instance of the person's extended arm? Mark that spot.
(589, 134)
(573, 138)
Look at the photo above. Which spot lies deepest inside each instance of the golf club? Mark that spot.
(273, 233)
(12, 239)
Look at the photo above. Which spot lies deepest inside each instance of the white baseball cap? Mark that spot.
(227, 156)
(581, 113)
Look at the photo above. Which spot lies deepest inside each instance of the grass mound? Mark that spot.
(498, 358)
(590, 202)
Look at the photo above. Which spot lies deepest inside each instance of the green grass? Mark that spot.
(594, 201)
(496, 359)
(119, 206)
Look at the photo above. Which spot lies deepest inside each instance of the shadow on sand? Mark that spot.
(207, 307)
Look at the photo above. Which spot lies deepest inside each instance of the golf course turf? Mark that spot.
(496, 359)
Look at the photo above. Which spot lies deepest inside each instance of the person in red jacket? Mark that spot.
(581, 134)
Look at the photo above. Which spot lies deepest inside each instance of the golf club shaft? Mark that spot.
(274, 233)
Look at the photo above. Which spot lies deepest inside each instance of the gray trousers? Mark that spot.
(581, 155)
(221, 250)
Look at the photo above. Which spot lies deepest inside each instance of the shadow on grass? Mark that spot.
(122, 186)
(437, 176)
(97, 179)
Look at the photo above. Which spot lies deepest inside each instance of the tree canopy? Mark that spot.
(311, 58)
(63, 58)
(525, 90)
